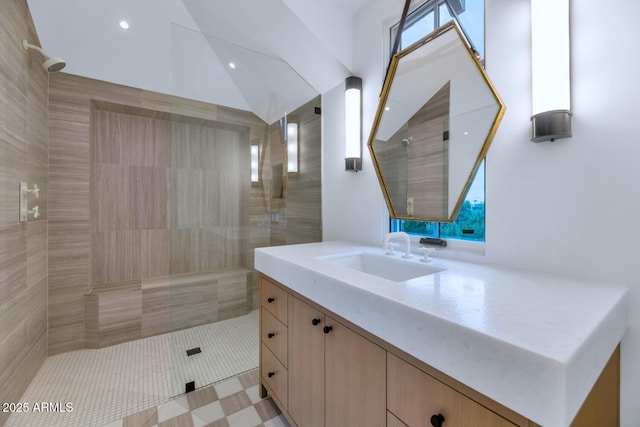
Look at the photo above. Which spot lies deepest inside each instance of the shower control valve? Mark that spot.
(35, 211)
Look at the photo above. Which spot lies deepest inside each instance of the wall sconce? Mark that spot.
(254, 163)
(292, 147)
(353, 124)
(551, 80)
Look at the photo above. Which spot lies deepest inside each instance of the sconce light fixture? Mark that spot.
(550, 60)
(292, 147)
(353, 124)
(254, 163)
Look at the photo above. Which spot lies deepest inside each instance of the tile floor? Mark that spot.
(234, 402)
(114, 382)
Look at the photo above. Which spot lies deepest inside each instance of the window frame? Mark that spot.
(458, 243)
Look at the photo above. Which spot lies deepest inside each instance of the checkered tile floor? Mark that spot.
(234, 402)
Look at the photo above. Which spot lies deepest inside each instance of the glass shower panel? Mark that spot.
(219, 188)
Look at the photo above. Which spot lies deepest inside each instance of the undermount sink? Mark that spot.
(384, 266)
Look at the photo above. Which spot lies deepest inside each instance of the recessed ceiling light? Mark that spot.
(386, 108)
(123, 24)
(232, 65)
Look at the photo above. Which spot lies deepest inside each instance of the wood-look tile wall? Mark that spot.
(104, 224)
(428, 157)
(23, 246)
(297, 216)
(167, 197)
(120, 312)
(144, 185)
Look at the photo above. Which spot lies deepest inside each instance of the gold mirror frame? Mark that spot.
(490, 110)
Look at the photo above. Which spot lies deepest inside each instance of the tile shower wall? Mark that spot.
(113, 241)
(23, 246)
(168, 196)
(296, 205)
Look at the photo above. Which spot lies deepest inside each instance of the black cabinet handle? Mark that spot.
(315, 322)
(271, 335)
(270, 374)
(437, 420)
(327, 329)
(270, 300)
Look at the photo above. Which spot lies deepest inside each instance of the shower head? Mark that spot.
(50, 64)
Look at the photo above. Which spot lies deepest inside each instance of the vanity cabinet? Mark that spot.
(335, 376)
(418, 400)
(274, 341)
(307, 350)
(321, 371)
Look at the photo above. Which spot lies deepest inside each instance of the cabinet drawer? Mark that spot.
(274, 299)
(274, 335)
(274, 375)
(414, 397)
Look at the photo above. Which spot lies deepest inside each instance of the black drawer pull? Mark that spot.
(270, 300)
(437, 420)
(315, 322)
(327, 329)
(271, 335)
(271, 374)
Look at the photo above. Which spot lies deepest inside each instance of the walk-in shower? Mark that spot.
(152, 287)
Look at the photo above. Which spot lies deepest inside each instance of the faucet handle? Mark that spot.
(425, 254)
(390, 247)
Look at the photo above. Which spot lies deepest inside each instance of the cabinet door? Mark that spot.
(355, 379)
(414, 397)
(306, 364)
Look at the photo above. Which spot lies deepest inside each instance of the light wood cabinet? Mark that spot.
(274, 343)
(355, 379)
(393, 421)
(274, 299)
(336, 377)
(306, 363)
(274, 335)
(322, 371)
(415, 397)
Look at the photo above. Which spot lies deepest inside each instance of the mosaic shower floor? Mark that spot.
(107, 385)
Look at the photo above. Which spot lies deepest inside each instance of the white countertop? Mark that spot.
(534, 343)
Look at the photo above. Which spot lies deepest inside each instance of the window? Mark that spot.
(468, 226)
(434, 13)
(471, 219)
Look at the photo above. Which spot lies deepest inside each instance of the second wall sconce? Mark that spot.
(292, 147)
(550, 70)
(353, 124)
(255, 161)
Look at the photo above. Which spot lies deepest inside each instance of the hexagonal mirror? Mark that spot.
(436, 117)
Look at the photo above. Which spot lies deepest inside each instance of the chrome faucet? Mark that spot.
(388, 246)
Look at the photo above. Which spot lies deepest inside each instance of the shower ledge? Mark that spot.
(532, 342)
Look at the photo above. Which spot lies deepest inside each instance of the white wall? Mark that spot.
(566, 208)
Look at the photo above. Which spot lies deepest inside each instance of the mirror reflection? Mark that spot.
(435, 120)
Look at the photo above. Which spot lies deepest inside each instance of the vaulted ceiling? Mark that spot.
(284, 51)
